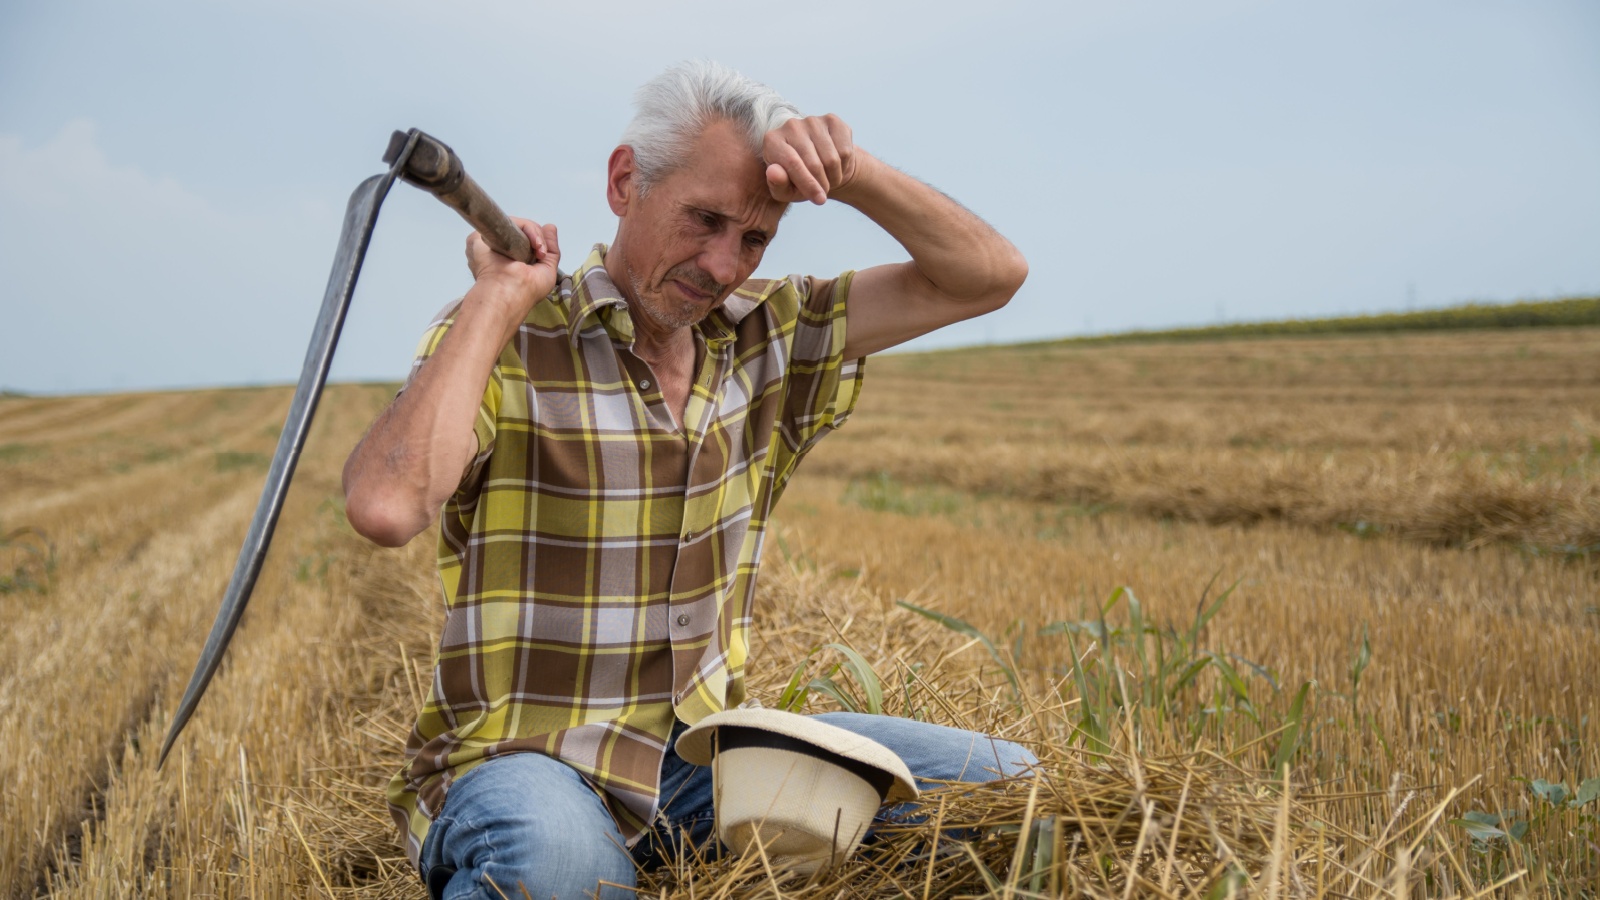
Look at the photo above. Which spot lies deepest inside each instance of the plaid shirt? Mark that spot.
(599, 563)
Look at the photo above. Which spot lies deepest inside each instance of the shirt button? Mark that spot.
(644, 385)
(688, 536)
(683, 619)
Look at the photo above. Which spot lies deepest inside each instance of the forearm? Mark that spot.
(959, 254)
(412, 458)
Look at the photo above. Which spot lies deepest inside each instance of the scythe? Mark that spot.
(428, 163)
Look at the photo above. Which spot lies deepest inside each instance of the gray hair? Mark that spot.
(675, 106)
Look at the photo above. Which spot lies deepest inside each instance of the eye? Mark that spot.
(755, 240)
(706, 219)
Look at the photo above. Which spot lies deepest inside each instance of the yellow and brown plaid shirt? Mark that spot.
(598, 562)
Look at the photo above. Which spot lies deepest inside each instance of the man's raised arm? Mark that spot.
(960, 267)
(413, 457)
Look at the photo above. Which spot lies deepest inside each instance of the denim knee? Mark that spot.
(525, 821)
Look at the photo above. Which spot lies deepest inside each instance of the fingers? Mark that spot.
(808, 158)
(544, 239)
(534, 232)
(552, 239)
(825, 144)
(477, 254)
(535, 235)
(801, 181)
(547, 246)
(813, 174)
(778, 181)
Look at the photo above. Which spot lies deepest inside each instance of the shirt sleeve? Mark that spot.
(823, 386)
(483, 428)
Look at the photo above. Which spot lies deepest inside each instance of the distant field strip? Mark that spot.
(1570, 312)
(1454, 439)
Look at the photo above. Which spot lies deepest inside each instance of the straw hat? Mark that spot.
(806, 790)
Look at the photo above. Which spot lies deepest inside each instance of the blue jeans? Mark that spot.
(528, 821)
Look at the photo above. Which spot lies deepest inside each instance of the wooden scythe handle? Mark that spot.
(435, 168)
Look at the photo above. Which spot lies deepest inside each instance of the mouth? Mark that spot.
(692, 293)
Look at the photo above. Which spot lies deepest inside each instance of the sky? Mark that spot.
(173, 174)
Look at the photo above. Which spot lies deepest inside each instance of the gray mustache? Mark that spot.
(696, 278)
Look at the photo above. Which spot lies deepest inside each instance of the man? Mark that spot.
(603, 452)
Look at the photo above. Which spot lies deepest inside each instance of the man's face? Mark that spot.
(698, 233)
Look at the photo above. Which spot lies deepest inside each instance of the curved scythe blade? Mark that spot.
(359, 217)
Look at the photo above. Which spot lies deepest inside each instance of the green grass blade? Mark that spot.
(1189, 674)
(1091, 705)
(793, 698)
(871, 686)
(826, 686)
(1236, 685)
(1112, 601)
(1204, 614)
(1290, 742)
(1264, 671)
(961, 627)
(1358, 666)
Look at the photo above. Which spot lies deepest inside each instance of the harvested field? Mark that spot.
(1396, 698)
(1455, 439)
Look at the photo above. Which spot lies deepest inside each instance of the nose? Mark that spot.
(720, 258)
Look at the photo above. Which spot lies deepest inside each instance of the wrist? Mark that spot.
(867, 173)
(505, 301)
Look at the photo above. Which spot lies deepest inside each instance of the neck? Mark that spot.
(657, 345)
(618, 271)
(651, 339)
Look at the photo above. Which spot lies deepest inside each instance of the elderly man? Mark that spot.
(603, 452)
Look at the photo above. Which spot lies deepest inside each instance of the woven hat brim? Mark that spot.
(694, 745)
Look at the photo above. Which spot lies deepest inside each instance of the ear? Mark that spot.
(620, 171)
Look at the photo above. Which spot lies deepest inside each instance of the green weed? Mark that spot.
(230, 460)
(313, 567)
(1503, 841)
(1135, 676)
(862, 692)
(31, 559)
(963, 628)
(18, 452)
(880, 492)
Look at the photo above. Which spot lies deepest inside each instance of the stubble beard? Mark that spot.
(669, 315)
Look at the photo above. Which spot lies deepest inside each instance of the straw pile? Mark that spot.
(1190, 827)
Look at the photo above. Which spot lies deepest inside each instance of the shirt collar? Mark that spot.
(594, 297)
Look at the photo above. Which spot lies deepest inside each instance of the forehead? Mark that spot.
(723, 175)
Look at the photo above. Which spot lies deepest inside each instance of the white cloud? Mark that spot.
(69, 174)
(116, 277)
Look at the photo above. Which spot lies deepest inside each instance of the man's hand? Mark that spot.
(517, 285)
(810, 159)
(412, 458)
(959, 268)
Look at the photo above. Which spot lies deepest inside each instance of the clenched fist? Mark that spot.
(522, 284)
(809, 159)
